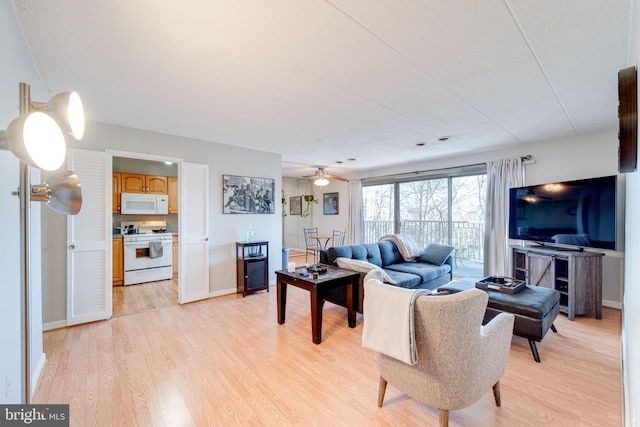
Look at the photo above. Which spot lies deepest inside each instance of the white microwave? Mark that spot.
(144, 204)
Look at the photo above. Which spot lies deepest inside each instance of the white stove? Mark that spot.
(148, 252)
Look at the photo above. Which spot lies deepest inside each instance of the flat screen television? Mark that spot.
(574, 213)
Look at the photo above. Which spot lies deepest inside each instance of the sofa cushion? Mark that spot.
(363, 267)
(435, 253)
(367, 252)
(426, 272)
(404, 280)
(389, 253)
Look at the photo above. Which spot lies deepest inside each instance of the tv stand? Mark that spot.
(541, 245)
(577, 275)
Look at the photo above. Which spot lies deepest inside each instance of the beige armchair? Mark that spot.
(458, 358)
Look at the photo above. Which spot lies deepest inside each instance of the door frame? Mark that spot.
(155, 158)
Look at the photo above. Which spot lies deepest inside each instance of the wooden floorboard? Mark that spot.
(225, 361)
(141, 297)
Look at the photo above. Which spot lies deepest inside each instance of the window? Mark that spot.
(378, 211)
(440, 206)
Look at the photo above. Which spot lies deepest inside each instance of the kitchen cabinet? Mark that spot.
(176, 257)
(117, 256)
(132, 182)
(252, 267)
(576, 275)
(116, 188)
(172, 184)
(139, 183)
(156, 184)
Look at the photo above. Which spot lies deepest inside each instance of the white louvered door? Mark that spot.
(89, 240)
(194, 233)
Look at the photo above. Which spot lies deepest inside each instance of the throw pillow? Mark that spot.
(435, 253)
(363, 267)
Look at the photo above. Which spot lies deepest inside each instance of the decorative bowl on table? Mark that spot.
(317, 269)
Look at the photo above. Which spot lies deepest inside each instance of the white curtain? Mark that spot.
(501, 176)
(354, 230)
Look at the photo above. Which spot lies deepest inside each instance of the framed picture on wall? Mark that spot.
(330, 203)
(247, 195)
(295, 205)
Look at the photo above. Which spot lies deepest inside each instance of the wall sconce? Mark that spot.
(36, 138)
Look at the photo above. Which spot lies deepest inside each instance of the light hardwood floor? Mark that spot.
(299, 258)
(144, 296)
(225, 361)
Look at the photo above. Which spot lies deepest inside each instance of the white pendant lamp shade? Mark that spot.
(62, 192)
(321, 182)
(67, 107)
(37, 140)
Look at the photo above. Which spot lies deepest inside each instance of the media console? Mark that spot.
(577, 275)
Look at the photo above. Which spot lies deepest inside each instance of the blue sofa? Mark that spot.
(385, 254)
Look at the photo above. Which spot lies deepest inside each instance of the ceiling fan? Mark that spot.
(321, 178)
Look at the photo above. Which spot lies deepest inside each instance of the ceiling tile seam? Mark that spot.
(373, 101)
(539, 62)
(415, 64)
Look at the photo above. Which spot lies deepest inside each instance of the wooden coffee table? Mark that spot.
(333, 278)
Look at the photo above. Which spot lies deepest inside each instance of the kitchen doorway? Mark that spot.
(144, 175)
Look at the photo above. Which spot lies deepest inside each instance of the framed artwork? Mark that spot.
(295, 205)
(247, 195)
(330, 203)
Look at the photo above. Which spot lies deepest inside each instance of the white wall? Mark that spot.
(17, 67)
(293, 224)
(10, 317)
(556, 160)
(631, 302)
(225, 230)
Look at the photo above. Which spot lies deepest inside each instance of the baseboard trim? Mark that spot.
(612, 304)
(35, 376)
(49, 326)
(227, 291)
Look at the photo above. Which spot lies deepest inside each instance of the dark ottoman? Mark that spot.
(535, 308)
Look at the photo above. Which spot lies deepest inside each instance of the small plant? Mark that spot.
(284, 204)
(308, 198)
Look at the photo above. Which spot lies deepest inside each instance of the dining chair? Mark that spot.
(312, 246)
(338, 237)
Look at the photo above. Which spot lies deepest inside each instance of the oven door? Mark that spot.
(137, 254)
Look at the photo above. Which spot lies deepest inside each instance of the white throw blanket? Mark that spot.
(406, 245)
(388, 319)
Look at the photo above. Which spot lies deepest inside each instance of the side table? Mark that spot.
(252, 267)
(335, 277)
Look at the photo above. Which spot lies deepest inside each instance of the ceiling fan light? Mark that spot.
(37, 140)
(67, 107)
(321, 182)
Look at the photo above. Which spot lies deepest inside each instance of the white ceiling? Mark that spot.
(322, 81)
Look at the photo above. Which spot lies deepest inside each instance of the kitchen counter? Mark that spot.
(118, 235)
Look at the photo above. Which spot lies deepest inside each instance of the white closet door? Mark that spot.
(89, 240)
(194, 233)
